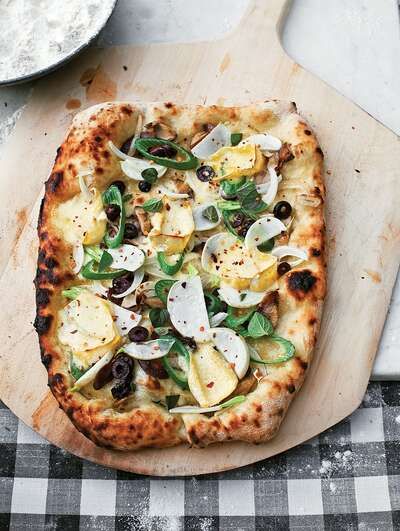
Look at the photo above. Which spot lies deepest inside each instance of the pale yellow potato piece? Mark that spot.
(86, 323)
(173, 227)
(80, 220)
(233, 162)
(211, 379)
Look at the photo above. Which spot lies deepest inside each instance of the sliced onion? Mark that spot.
(83, 186)
(128, 257)
(273, 187)
(219, 137)
(222, 240)
(217, 319)
(170, 194)
(288, 250)
(133, 168)
(124, 319)
(78, 255)
(233, 348)
(97, 288)
(149, 350)
(200, 222)
(263, 188)
(196, 409)
(138, 130)
(264, 141)
(129, 301)
(240, 298)
(152, 267)
(137, 280)
(254, 355)
(263, 230)
(90, 374)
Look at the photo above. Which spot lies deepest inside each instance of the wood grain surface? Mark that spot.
(363, 219)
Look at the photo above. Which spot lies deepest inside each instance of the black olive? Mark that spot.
(164, 150)
(237, 220)
(131, 231)
(205, 173)
(282, 210)
(122, 367)
(283, 268)
(120, 185)
(103, 376)
(154, 368)
(144, 186)
(224, 306)
(138, 334)
(121, 284)
(121, 389)
(126, 145)
(112, 212)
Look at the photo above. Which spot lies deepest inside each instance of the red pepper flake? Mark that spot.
(201, 328)
(210, 384)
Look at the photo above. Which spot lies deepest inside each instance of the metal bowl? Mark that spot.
(44, 71)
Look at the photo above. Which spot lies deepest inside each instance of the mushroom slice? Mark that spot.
(206, 217)
(242, 298)
(128, 257)
(263, 230)
(149, 350)
(219, 137)
(187, 309)
(124, 319)
(233, 348)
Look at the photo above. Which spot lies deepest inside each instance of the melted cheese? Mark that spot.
(233, 162)
(86, 323)
(173, 227)
(80, 220)
(211, 379)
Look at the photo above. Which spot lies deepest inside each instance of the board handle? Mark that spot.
(263, 20)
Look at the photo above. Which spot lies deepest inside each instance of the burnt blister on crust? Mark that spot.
(42, 323)
(55, 179)
(42, 297)
(301, 282)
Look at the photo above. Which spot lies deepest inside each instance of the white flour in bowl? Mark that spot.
(35, 34)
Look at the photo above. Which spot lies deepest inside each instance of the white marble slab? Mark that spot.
(353, 45)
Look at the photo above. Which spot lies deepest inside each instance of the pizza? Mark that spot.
(181, 271)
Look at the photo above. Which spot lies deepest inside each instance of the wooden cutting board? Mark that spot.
(363, 218)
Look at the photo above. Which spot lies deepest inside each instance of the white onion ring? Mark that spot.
(289, 250)
(78, 255)
(273, 187)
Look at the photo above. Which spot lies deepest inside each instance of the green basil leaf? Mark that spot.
(250, 200)
(267, 246)
(150, 175)
(158, 317)
(210, 213)
(228, 205)
(105, 261)
(230, 188)
(236, 138)
(152, 205)
(259, 326)
(171, 401)
(75, 370)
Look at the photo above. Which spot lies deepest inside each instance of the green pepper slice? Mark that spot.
(144, 144)
(288, 347)
(162, 288)
(169, 269)
(91, 273)
(178, 376)
(112, 196)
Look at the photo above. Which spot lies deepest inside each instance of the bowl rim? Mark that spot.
(53, 66)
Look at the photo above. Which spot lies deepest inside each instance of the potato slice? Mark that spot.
(211, 379)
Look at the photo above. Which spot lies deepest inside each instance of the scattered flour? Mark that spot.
(38, 33)
(340, 461)
(397, 419)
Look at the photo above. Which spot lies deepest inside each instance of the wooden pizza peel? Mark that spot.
(362, 158)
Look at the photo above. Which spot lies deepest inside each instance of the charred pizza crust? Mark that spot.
(301, 291)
